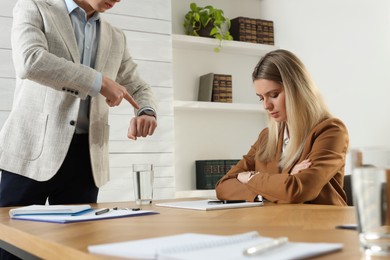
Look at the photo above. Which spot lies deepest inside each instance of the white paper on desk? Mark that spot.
(203, 205)
(49, 209)
(84, 217)
(191, 246)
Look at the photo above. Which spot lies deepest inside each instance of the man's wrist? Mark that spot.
(147, 111)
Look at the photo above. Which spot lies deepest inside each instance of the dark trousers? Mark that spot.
(72, 184)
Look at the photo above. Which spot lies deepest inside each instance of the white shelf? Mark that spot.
(234, 47)
(197, 105)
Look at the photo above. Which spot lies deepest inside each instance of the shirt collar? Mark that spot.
(71, 6)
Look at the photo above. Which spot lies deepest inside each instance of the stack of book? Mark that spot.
(252, 30)
(208, 172)
(215, 88)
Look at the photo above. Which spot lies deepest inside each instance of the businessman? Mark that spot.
(71, 66)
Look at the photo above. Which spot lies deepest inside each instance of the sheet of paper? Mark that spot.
(85, 217)
(49, 209)
(204, 205)
(146, 248)
(190, 246)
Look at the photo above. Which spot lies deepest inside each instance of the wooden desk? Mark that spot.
(306, 223)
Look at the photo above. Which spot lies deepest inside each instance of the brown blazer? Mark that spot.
(322, 183)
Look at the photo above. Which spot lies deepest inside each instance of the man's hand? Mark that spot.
(114, 93)
(141, 126)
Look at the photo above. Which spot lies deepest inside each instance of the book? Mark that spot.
(238, 28)
(229, 89)
(206, 206)
(216, 88)
(222, 88)
(252, 30)
(87, 216)
(205, 91)
(194, 246)
(50, 210)
(265, 31)
(208, 172)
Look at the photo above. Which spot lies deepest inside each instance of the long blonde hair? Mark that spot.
(305, 107)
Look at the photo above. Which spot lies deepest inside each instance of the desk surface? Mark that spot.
(300, 223)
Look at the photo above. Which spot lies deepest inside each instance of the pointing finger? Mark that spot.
(131, 100)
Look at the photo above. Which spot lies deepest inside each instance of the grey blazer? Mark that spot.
(50, 81)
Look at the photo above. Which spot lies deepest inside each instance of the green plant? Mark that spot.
(207, 21)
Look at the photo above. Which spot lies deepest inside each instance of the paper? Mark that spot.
(49, 209)
(85, 217)
(203, 205)
(192, 246)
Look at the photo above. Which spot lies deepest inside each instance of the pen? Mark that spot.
(133, 209)
(347, 226)
(102, 211)
(258, 249)
(225, 201)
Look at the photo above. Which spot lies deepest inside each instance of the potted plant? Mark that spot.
(207, 22)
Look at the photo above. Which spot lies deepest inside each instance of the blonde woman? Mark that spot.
(300, 156)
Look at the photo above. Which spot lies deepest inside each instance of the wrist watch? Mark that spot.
(148, 112)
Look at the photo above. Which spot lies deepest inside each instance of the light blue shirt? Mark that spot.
(87, 38)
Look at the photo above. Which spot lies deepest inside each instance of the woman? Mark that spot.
(300, 156)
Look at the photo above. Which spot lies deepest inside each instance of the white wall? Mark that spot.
(346, 46)
(147, 25)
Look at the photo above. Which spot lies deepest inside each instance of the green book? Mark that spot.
(209, 172)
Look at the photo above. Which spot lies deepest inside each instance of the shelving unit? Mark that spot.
(213, 130)
(208, 44)
(215, 106)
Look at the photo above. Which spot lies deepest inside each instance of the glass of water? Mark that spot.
(371, 194)
(143, 178)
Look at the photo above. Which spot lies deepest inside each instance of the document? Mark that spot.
(50, 210)
(87, 216)
(193, 246)
(208, 205)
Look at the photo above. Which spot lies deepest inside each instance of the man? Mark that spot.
(71, 66)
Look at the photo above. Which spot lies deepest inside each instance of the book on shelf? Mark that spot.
(205, 91)
(222, 88)
(208, 172)
(215, 88)
(252, 30)
(238, 28)
(265, 32)
(229, 89)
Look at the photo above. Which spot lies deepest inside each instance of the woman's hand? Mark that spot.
(301, 166)
(244, 177)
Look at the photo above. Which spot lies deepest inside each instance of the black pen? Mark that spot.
(102, 211)
(347, 226)
(225, 201)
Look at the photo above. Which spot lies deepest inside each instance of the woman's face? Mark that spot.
(272, 95)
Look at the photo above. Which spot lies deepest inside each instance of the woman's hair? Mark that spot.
(304, 105)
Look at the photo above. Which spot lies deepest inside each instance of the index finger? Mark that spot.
(131, 100)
